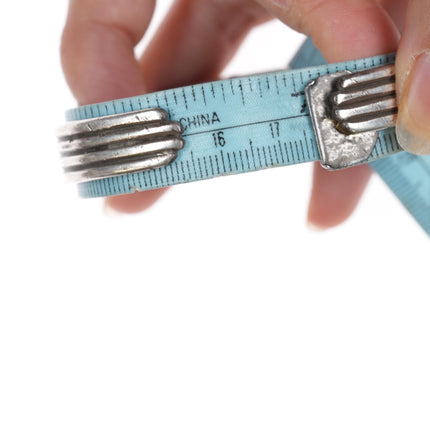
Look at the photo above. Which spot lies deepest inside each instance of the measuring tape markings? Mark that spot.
(231, 126)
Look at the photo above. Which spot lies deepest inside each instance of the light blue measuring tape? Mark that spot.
(226, 127)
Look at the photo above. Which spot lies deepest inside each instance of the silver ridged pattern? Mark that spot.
(365, 101)
(113, 145)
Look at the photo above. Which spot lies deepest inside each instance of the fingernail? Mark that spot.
(413, 123)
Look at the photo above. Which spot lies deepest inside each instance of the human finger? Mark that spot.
(197, 39)
(193, 44)
(97, 48)
(413, 79)
(397, 10)
(341, 30)
(329, 205)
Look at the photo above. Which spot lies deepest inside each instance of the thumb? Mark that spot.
(413, 79)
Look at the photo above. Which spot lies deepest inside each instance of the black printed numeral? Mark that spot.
(219, 139)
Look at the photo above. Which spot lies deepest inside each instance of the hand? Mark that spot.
(198, 38)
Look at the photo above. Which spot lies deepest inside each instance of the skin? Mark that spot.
(199, 37)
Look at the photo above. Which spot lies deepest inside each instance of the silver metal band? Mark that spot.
(347, 110)
(118, 144)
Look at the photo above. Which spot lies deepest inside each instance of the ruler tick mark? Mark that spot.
(194, 164)
(155, 177)
(217, 164)
(303, 149)
(200, 167)
(223, 162)
(183, 170)
(280, 151)
(297, 150)
(241, 160)
(294, 83)
(276, 84)
(206, 166)
(177, 172)
(231, 86)
(270, 155)
(259, 88)
(286, 152)
(204, 95)
(193, 93)
(160, 171)
(211, 165)
(185, 98)
(265, 157)
(241, 92)
(259, 157)
(189, 171)
(165, 169)
(276, 154)
(252, 153)
(247, 159)
(229, 162)
(235, 161)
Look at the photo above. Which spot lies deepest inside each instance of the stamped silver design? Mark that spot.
(118, 144)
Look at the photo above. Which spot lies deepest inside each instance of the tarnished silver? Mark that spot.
(366, 101)
(113, 145)
(347, 111)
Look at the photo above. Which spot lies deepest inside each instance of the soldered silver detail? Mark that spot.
(118, 144)
(347, 111)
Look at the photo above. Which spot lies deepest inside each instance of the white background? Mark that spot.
(217, 308)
